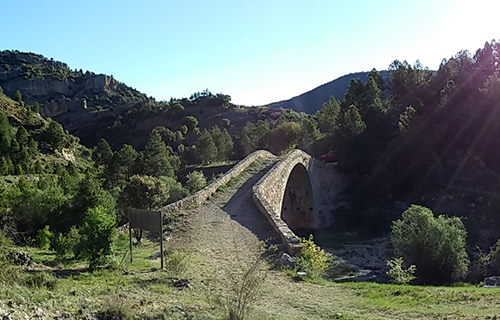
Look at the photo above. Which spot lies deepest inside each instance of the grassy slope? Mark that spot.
(214, 247)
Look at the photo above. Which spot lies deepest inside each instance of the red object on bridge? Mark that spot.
(329, 157)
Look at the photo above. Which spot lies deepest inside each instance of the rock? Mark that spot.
(181, 284)
(20, 258)
(363, 275)
(285, 260)
(491, 282)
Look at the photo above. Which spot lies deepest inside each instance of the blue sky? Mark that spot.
(256, 51)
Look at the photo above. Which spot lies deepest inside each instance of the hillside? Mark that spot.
(30, 144)
(93, 106)
(311, 101)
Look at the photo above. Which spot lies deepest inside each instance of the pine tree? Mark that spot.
(14, 150)
(102, 153)
(22, 136)
(18, 97)
(10, 166)
(328, 116)
(353, 94)
(5, 134)
(351, 124)
(155, 157)
(224, 145)
(55, 135)
(206, 147)
(120, 167)
(32, 146)
(36, 107)
(4, 166)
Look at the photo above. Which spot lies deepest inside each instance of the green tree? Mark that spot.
(32, 147)
(43, 238)
(4, 166)
(89, 194)
(351, 124)
(156, 158)
(5, 134)
(195, 181)
(18, 97)
(102, 153)
(353, 94)
(436, 246)
(223, 142)
(309, 131)
(191, 122)
(55, 135)
(144, 192)
(121, 165)
(207, 150)
(184, 129)
(328, 116)
(36, 107)
(176, 110)
(98, 232)
(285, 136)
(22, 136)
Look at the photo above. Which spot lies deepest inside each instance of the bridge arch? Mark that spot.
(297, 209)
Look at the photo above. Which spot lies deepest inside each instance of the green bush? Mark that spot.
(398, 274)
(43, 238)
(435, 245)
(311, 258)
(64, 244)
(496, 254)
(98, 232)
(195, 181)
(9, 274)
(39, 280)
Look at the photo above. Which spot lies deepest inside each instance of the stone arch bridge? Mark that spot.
(297, 195)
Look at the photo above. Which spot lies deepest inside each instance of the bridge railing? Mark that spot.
(205, 193)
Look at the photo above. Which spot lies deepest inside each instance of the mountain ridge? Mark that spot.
(312, 100)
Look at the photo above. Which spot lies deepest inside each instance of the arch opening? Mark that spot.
(297, 209)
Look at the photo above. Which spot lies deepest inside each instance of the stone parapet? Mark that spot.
(204, 194)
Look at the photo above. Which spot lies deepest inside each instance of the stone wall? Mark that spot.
(204, 194)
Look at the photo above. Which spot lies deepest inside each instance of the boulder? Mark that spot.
(285, 260)
(491, 282)
(20, 258)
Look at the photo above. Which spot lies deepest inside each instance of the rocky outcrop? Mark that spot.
(48, 82)
(61, 106)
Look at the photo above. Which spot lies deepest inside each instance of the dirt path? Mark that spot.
(224, 236)
(225, 233)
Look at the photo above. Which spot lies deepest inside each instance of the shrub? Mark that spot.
(39, 280)
(496, 254)
(64, 244)
(176, 264)
(435, 245)
(398, 274)
(98, 232)
(43, 238)
(144, 192)
(195, 181)
(9, 274)
(244, 291)
(311, 258)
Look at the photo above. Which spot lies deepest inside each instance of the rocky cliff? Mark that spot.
(59, 89)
